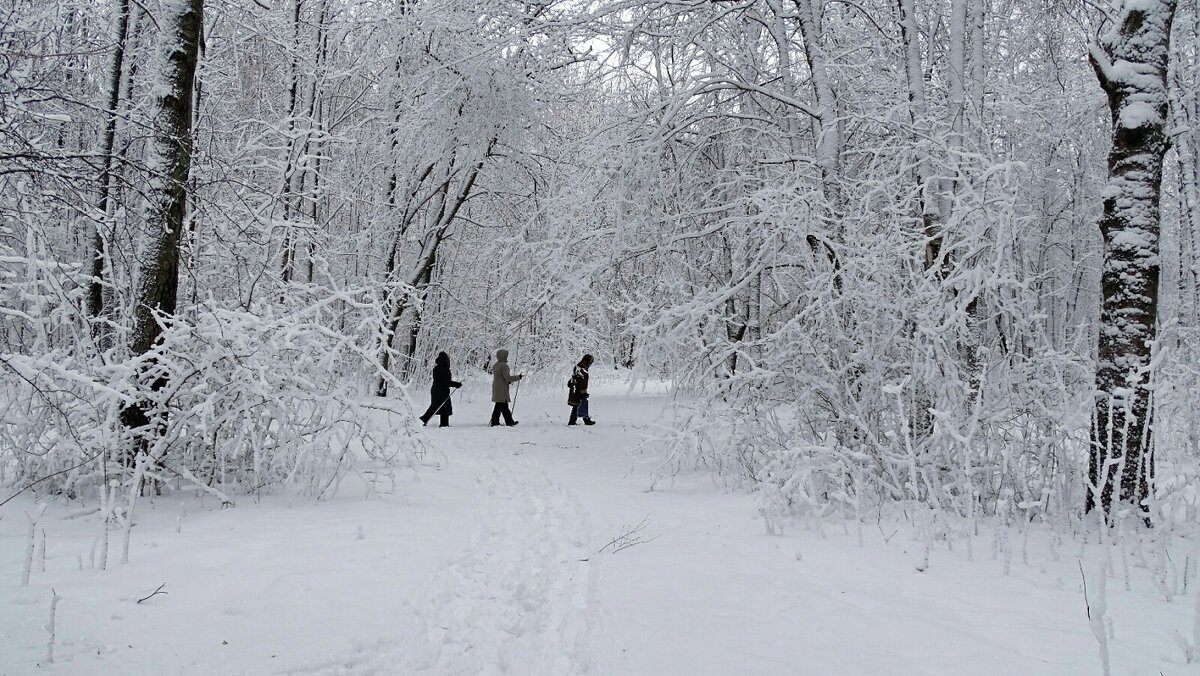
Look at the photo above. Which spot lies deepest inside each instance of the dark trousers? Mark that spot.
(433, 410)
(579, 410)
(502, 409)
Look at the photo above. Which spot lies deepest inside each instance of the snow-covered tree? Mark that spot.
(1131, 63)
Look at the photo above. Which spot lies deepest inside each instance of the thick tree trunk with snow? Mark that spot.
(1131, 64)
(169, 158)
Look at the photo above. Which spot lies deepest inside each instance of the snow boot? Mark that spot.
(589, 421)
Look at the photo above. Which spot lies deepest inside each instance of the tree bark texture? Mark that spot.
(116, 77)
(1130, 61)
(169, 160)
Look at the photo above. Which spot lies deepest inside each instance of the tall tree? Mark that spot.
(919, 114)
(1185, 63)
(169, 159)
(115, 79)
(1130, 60)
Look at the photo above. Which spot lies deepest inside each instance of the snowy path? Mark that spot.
(491, 564)
(516, 599)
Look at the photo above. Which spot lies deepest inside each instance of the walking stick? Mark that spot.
(444, 402)
(515, 393)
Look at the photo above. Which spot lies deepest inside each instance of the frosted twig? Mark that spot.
(42, 552)
(51, 626)
(628, 537)
(1096, 613)
(31, 536)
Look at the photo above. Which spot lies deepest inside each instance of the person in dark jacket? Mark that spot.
(577, 392)
(439, 392)
(501, 379)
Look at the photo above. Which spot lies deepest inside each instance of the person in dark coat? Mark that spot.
(439, 392)
(577, 392)
(501, 379)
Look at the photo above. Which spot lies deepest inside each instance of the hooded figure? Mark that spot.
(501, 379)
(439, 392)
(577, 392)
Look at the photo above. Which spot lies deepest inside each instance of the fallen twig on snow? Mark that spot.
(628, 537)
(156, 592)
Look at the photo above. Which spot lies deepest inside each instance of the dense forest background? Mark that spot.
(866, 241)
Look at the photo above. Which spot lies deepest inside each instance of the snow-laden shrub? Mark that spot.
(236, 402)
(1177, 398)
(58, 419)
(57, 408)
(255, 401)
(818, 374)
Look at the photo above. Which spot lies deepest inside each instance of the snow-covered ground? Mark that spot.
(490, 561)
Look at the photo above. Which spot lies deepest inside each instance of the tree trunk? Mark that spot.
(919, 113)
(448, 206)
(1186, 115)
(414, 327)
(828, 136)
(292, 172)
(977, 16)
(169, 156)
(957, 75)
(828, 131)
(103, 206)
(1131, 63)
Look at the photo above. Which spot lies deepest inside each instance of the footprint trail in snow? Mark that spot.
(520, 598)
